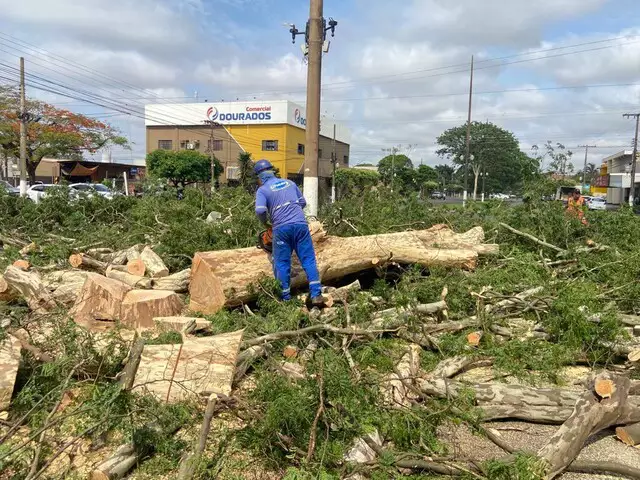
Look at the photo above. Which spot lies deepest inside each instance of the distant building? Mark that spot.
(618, 176)
(274, 130)
(366, 166)
(53, 170)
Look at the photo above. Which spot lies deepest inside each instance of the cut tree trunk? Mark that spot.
(136, 267)
(118, 465)
(100, 299)
(22, 264)
(7, 292)
(153, 263)
(139, 307)
(222, 278)
(629, 434)
(82, 260)
(30, 287)
(178, 282)
(134, 281)
(591, 414)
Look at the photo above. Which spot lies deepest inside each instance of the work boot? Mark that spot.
(315, 302)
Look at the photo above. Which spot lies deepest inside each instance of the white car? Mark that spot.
(596, 203)
(38, 191)
(92, 189)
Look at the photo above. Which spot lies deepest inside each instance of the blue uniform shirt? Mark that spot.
(283, 200)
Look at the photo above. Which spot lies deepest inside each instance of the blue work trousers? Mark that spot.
(286, 239)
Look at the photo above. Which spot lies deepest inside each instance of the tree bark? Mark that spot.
(223, 277)
(190, 463)
(30, 287)
(118, 465)
(178, 282)
(154, 265)
(629, 434)
(134, 281)
(591, 414)
(82, 260)
(133, 362)
(7, 292)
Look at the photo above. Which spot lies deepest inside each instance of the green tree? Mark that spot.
(396, 171)
(590, 174)
(353, 181)
(445, 174)
(424, 178)
(182, 167)
(51, 131)
(247, 174)
(495, 151)
(559, 158)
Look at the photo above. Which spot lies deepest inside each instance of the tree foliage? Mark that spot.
(247, 175)
(396, 170)
(354, 181)
(559, 158)
(181, 167)
(495, 151)
(51, 131)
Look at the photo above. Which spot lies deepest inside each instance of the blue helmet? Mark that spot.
(262, 165)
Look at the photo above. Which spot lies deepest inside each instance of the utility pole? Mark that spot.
(334, 161)
(213, 158)
(468, 140)
(23, 133)
(584, 169)
(315, 35)
(633, 157)
(314, 78)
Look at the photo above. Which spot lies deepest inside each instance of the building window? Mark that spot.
(270, 145)
(300, 149)
(165, 144)
(345, 159)
(319, 153)
(217, 145)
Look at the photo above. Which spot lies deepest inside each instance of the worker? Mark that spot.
(283, 202)
(575, 206)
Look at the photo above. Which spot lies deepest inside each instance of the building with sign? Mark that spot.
(274, 130)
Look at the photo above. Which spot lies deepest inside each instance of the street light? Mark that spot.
(484, 176)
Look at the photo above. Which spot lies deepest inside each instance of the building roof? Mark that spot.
(258, 112)
(623, 153)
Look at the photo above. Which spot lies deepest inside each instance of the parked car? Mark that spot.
(92, 189)
(596, 203)
(10, 189)
(438, 196)
(499, 196)
(38, 191)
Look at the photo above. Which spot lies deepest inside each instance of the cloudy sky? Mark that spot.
(397, 72)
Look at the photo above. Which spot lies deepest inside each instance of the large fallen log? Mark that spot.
(224, 277)
(30, 287)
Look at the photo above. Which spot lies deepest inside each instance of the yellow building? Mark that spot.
(274, 130)
(601, 182)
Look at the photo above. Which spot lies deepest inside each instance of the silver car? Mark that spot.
(10, 189)
(92, 189)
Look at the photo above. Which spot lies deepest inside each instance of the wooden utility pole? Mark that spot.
(23, 132)
(468, 139)
(584, 169)
(633, 157)
(334, 161)
(314, 75)
(213, 158)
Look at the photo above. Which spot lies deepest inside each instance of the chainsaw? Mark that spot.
(265, 240)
